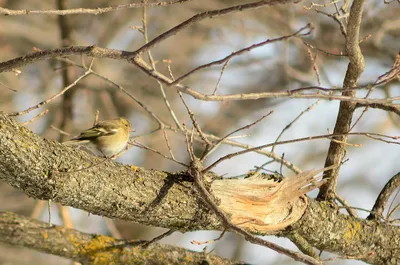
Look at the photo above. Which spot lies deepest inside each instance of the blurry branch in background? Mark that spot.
(10, 88)
(44, 112)
(92, 249)
(159, 153)
(18, 113)
(375, 136)
(94, 11)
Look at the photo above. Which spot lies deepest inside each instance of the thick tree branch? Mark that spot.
(94, 249)
(343, 122)
(46, 169)
(370, 241)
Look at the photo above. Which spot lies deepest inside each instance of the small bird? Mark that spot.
(107, 137)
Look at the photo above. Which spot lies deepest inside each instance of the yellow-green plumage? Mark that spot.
(107, 137)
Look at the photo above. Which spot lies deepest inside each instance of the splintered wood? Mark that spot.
(266, 205)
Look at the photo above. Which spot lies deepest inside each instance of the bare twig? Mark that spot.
(293, 121)
(158, 238)
(204, 15)
(59, 130)
(337, 19)
(341, 54)
(34, 118)
(218, 143)
(141, 104)
(168, 145)
(220, 76)
(247, 146)
(195, 242)
(4, 85)
(153, 65)
(346, 205)
(328, 136)
(159, 153)
(194, 121)
(53, 97)
(242, 51)
(380, 203)
(94, 11)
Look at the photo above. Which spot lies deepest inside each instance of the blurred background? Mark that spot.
(274, 67)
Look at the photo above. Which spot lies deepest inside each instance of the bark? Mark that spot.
(346, 110)
(45, 169)
(94, 249)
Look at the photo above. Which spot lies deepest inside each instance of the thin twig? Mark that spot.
(390, 211)
(12, 89)
(195, 124)
(346, 205)
(325, 136)
(244, 50)
(153, 65)
(94, 11)
(195, 242)
(34, 118)
(187, 141)
(158, 238)
(220, 76)
(88, 72)
(380, 203)
(59, 130)
(218, 143)
(159, 153)
(293, 121)
(168, 145)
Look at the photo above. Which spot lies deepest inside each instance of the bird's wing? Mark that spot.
(100, 129)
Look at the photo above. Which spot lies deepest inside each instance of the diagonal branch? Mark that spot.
(381, 201)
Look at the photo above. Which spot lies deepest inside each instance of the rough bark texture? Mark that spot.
(370, 241)
(46, 169)
(94, 249)
(346, 110)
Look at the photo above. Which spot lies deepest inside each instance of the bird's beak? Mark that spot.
(132, 130)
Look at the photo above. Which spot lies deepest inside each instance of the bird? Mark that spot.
(107, 137)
